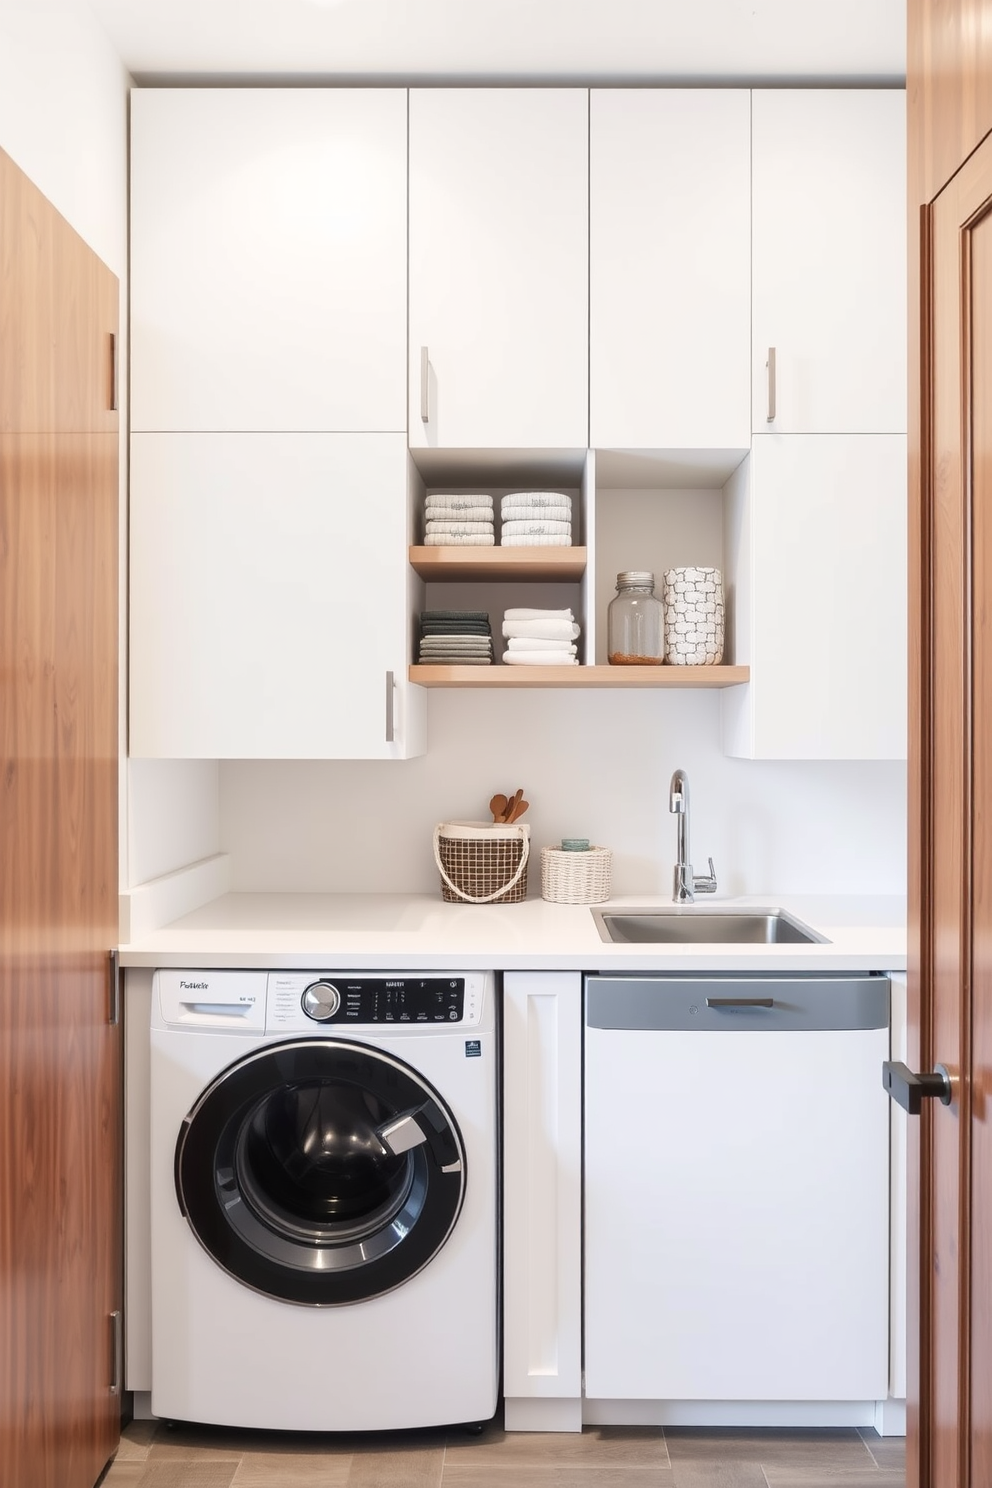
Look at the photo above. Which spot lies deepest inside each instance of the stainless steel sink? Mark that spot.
(703, 927)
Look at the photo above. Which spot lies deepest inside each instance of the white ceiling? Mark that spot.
(504, 40)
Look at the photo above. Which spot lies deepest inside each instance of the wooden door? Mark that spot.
(951, 1443)
(60, 1261)
(499, 267)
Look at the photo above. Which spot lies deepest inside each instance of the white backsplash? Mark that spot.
(592, 764)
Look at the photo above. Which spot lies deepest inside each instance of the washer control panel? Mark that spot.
(299, 1000)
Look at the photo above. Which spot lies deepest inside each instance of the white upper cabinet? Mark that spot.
(268, 259)
(816, 556)
(269, 604)
(829, 260)
(499, 206)
(670, 264)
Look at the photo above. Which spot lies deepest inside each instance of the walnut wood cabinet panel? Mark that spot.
(60, 1080)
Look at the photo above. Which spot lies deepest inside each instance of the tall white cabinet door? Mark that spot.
(499, 198)
(817, 540)
(268, 597)
(268, 259)
(670, 267)
(829, 260)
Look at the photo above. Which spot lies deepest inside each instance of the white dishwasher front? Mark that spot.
(736, 1195)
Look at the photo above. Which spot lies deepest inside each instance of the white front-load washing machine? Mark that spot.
(324, 1199)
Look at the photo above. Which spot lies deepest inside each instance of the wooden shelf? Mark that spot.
(426, 675)
(458, 564)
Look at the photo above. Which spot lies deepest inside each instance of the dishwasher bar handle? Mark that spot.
(738, 1002)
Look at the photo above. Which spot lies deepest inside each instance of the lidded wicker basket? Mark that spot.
(576, 877)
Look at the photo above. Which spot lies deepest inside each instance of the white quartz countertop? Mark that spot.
(419, 931)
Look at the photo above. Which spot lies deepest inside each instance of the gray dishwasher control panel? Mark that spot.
(738, 1003)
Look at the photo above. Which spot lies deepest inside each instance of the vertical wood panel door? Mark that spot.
(60, 1260)
(954, 1434)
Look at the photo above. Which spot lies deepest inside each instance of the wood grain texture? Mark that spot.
(426, 674)
(952, 885)
(541, 565)
(978, 1176)
(949, 88)
(60, 1103)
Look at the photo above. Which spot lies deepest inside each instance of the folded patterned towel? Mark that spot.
(536, 643)
(454, 661)
(482, 615)
(459, 514)
(455, 648)
(462, 540)
(537, 528)
(525, 614)
(538, 658)
(536, 540)
(458, 528)
(444, 499)
(537, 500)
(545, 630)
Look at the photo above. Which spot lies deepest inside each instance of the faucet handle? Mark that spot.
(704, 883)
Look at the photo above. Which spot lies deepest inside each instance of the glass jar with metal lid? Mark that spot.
(635, 622)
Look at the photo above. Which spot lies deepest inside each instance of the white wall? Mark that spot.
(63, 120)
(63, 116)
(592, 764)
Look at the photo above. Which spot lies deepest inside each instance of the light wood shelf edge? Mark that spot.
(454, 564)
(426, 675)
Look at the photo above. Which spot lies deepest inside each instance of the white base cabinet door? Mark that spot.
(499, 206)
(268, 259)
(542, 1201)
(670, 268)
(269, 612)
(829, 260)
(815, 550)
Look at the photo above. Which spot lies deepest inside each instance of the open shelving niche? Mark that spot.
(652, 509)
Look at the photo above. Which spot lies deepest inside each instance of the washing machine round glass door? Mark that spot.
(320, 1171)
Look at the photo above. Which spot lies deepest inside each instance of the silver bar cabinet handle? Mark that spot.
(770, 364)
(390, 687)
(425, 385)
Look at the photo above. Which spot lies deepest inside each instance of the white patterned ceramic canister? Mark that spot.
(693, 616)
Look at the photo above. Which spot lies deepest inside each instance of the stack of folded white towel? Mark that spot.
(458, 521)
(540, 638)
(532, 519)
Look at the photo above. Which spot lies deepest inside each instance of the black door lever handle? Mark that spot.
(910, 1090)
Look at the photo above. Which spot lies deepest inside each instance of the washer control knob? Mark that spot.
(321, 1001)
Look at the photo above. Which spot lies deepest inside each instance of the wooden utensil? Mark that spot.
(497, 806)
(518, 810)
(512, 805)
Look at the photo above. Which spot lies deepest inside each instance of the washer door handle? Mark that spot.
(402, 1133)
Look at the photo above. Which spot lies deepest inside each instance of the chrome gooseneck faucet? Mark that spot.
(687, 884)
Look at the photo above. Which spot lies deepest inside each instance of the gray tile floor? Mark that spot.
(153, 1456)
